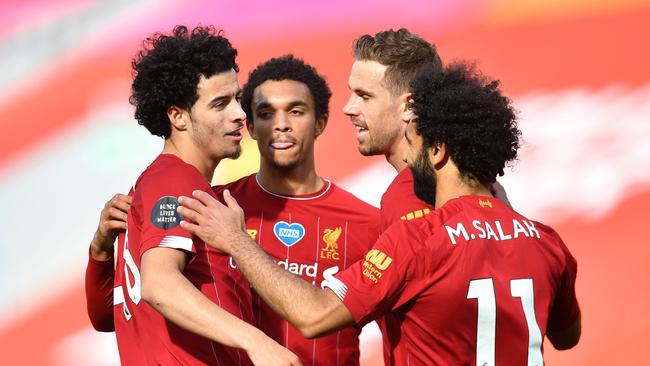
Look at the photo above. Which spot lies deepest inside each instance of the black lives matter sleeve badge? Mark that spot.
(164, 214)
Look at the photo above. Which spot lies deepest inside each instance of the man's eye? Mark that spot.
(296, 112)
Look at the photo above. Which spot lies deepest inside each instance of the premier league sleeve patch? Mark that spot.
(164, 214)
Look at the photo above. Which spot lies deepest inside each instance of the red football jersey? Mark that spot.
(144, 336)
(472, 283)
(399, 202)
(313, 236)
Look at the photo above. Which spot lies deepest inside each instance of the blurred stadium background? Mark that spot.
(578, 72)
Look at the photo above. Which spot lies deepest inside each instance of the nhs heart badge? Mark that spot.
(288, 234)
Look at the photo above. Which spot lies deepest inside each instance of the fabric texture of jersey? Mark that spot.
(399, 202)
(472, 270)
(99, 293)
(144, 336)
(313, 236)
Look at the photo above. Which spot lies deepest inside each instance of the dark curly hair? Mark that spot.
(287, 67)
(467, 112)
(167, 70)
(403, 52)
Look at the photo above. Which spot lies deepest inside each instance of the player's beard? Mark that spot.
(424, 179)
(371, 148)
(284, 165)
(380, 140)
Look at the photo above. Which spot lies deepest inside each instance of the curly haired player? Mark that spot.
(177, 302)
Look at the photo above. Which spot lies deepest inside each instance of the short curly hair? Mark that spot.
(288, 67)
(167, 70)
(466, 111)
(402, 52)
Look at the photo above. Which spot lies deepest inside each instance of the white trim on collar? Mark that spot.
(327, 182)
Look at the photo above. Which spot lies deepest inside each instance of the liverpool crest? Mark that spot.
(330, 237)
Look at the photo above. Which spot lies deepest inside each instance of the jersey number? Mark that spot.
(133, 290)
(483, 291)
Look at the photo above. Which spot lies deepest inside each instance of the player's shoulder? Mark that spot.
(400, 201)
(169, 161)
(410, 243)
(401, 184)
(169, 169)
(168, 175)
(348, 199)
(547, 230)
(238, 185)
(415, 233)
(552, 237)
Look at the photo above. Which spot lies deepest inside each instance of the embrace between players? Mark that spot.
(283, 267)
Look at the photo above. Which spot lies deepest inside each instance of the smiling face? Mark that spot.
(216, 117)
(284, 123)
(373, 110)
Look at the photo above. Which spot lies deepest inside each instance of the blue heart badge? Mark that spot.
(288, 234)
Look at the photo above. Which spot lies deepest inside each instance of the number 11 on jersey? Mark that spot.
(483, 291)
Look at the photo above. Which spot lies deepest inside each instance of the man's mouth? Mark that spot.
(235, 135)
(283, 143)
(360, 126)
(362, 131)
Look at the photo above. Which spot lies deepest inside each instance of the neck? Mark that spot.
(290, 182)
(395, 156)
(191, 155)
(448, 188)
(396, 161)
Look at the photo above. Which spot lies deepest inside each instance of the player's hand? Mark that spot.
(112, 221)
(215, 223)
(265, 351)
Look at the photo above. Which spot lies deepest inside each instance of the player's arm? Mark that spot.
(100, 271)
(568, 338)
(564, 322)
(99, 293)
(168, 291)
(312, 310)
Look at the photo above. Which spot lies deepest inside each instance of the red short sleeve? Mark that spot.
(383, 280)
(158, 194)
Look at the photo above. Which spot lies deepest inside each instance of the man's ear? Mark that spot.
(405, 107)
(178, 117)
(321, 123)
(438, 155)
